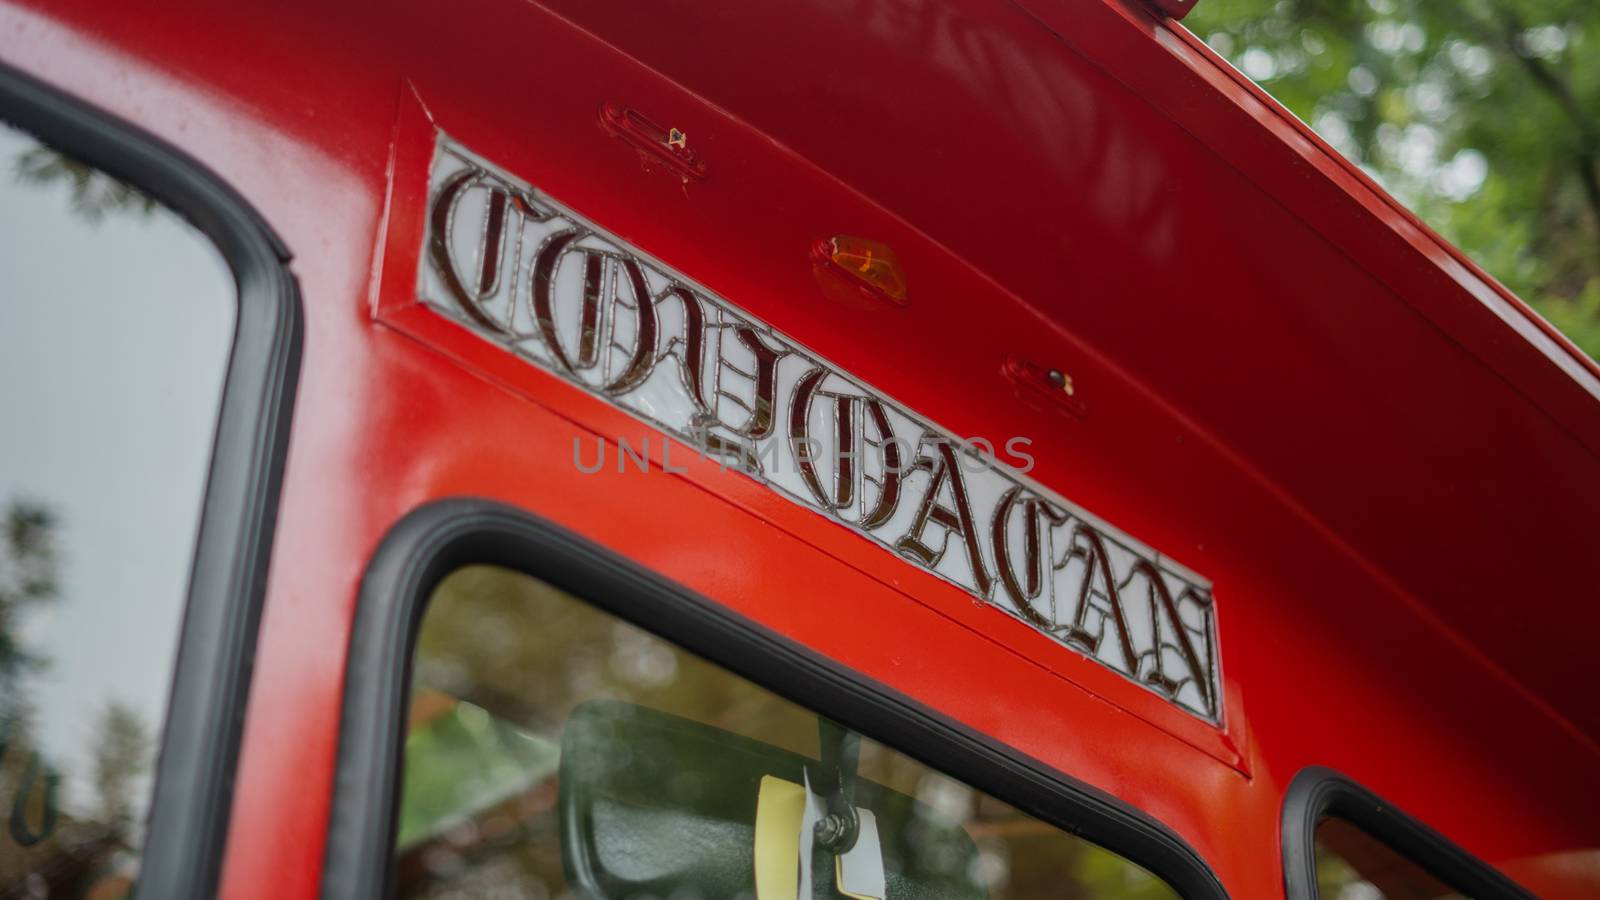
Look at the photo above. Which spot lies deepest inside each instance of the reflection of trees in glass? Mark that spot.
(45, 850)
(122, 752)
(1482, 115)
(27, 580)
(94, 193)
(1353, 865)
(28, 785)
(501, 662)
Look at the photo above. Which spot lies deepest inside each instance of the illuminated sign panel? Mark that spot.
(544, 283)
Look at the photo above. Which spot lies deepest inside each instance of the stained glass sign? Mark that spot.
(544, 283)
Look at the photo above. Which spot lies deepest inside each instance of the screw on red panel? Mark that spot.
(1042, 387)
(666, 148)
(1173, 9)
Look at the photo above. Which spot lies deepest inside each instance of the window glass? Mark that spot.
(556, 751)
(116, 320)
(1353, 865)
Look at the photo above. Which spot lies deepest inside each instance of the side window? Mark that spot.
(1353, 865)
(554, 750)
(116, 322)
(1343, 842)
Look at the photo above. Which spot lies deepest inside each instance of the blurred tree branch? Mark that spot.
(1506, 31)
(1482, 115)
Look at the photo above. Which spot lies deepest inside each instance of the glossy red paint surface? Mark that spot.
(1387, 470)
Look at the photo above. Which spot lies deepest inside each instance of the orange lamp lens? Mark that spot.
(872, 262)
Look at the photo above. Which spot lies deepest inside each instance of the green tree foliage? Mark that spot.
(1483, 116)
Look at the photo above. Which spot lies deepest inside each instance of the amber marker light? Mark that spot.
(870, 263)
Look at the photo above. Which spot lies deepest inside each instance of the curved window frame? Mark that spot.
(1317, 793)
(438, 538)
(192, 787)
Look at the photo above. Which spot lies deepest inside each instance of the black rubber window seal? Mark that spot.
(438, 538)
(1318, 793)
(193, 785)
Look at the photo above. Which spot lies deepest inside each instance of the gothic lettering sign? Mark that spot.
(544, 283)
